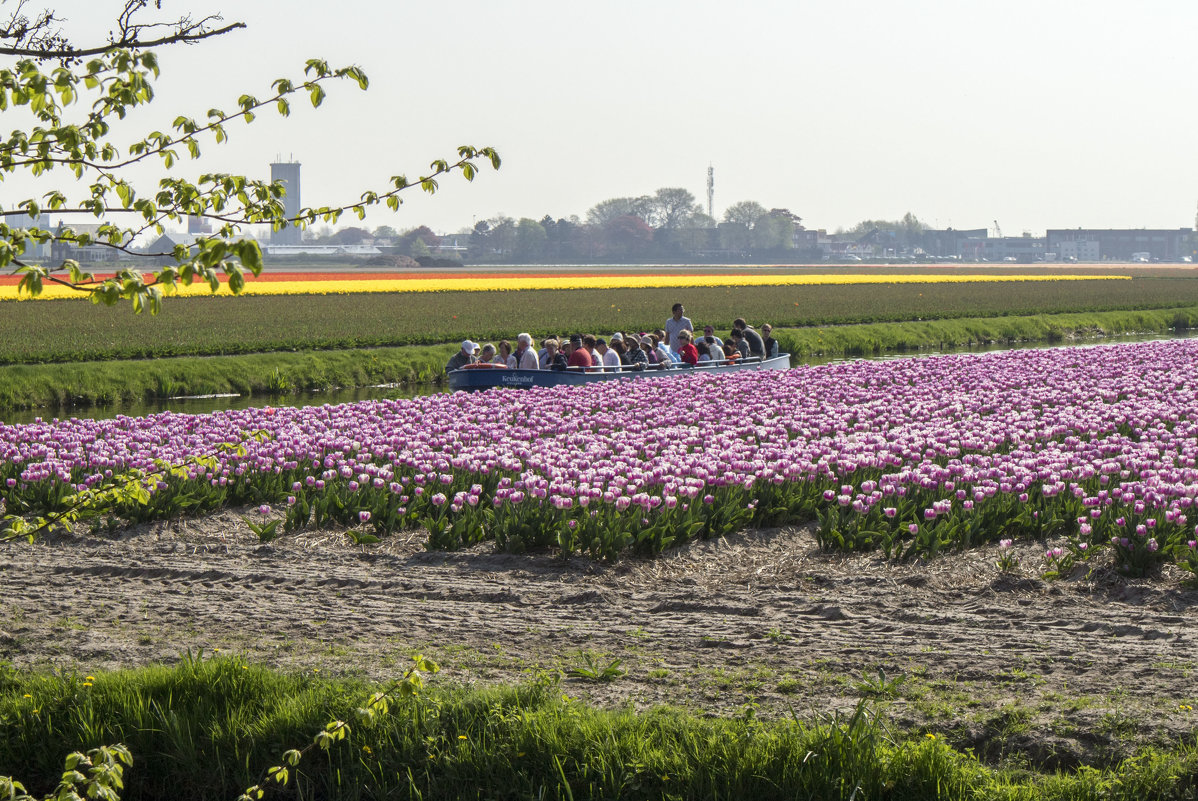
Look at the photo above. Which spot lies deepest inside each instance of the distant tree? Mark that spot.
(531, 240)
(318, 234)
(605, 211)
(424, 235)
(480, 241)
(774, 231)
(627, 237)
(503, 237)
(745, 213)
(904, 232)
(418, 249)
(701, 219)
(671, 208)
(385, 232)
(570, 239)
(350, 236)
(735, 236)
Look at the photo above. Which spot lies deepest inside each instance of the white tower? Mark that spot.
(710, 191)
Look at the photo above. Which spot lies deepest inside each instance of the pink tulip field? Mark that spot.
(911, 457)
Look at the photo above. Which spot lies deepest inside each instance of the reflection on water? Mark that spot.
(216, 403)
(213, 403)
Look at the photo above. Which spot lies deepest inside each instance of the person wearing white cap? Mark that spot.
(463, 357)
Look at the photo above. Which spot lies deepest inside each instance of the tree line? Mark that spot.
(667, 225)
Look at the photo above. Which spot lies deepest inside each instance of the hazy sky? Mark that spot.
(1039, 114)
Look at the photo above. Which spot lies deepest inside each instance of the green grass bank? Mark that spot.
(209, 728)
(101, 383)
(878, 338)
(82, 384)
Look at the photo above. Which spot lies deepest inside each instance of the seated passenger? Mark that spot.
(687, 353)
(487, 354)
(638, 359)
(711, 339)
(704, 351)
(462, 358)
(664, 356)
(579, 356)
(523, 357)
(767, 339)
(738, 342)
(731, 354)
(649, 347)
(503, 352)
(549, 354)
(752, 338)
(621, 352)
(607, 357)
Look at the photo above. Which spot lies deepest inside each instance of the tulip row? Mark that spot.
(491, 283)
(910, 456)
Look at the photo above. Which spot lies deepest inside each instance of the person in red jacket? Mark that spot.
(686, 349)
(579, 356)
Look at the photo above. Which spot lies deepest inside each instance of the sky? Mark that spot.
(1035, 114)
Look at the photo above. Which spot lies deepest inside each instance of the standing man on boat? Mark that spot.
(524, 357)
(675, 324)
(463, 357)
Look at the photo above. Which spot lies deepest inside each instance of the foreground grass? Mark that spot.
(208, 728)
(34, 332)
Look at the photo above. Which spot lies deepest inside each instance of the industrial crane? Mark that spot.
(997, 229)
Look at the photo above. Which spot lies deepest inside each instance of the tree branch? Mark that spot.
(94, 51)
(36, 38)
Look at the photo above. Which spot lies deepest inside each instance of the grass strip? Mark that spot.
(208, 728)
(103, 383)
(877, 338)
(74, 331)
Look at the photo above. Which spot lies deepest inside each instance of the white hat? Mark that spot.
(469, 346)
(617, 337)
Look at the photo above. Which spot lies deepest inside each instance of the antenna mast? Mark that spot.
(710, 191)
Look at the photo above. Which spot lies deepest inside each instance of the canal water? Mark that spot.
(200, 405)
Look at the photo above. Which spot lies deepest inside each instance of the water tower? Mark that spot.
(289, 173)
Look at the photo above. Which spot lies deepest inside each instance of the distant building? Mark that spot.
(353, 251)
(199, 225)
(1023, 249)
(952, 243)
(84, 254)
(166, 243)
(33, 250)
(289, 173)
(452, 243)
(1118, 244)
(1078, 250)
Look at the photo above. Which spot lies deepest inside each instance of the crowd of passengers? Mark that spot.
(676, 343)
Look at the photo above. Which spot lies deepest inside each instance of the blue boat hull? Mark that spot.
(476, 378)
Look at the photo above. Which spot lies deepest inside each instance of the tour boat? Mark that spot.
(486, 376)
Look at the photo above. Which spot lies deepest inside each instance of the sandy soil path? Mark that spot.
(1078, 670)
